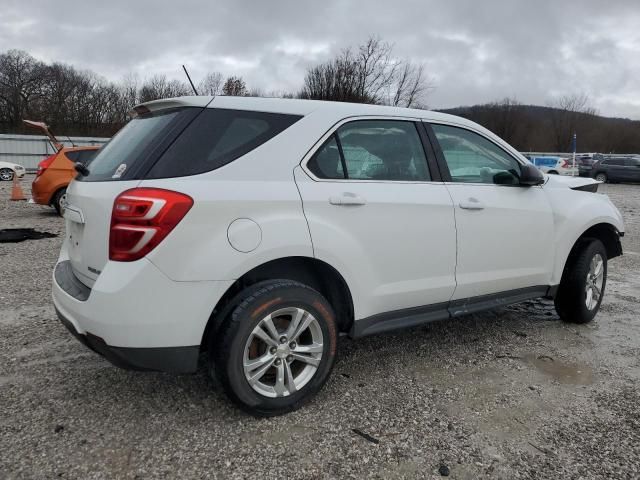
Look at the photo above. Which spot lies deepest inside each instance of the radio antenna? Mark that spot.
(192, 85)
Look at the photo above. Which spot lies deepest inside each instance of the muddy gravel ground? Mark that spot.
(514, 393)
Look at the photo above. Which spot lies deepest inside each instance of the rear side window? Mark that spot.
(385, 150)
(217, 137)
(618, 162)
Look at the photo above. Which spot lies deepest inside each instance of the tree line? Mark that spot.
(80, 102)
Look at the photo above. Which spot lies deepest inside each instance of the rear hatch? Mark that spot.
(168, 139)
(118, 166)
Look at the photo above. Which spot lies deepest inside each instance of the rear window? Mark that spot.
(137, 145)
(217, 137)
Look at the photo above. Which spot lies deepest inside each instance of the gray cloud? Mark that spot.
(474, 51)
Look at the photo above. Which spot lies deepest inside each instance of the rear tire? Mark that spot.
(602, 177)
(282, 335)
(583, 282)
(6, 174)
(58, 200)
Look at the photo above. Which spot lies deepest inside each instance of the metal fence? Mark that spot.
(29, 150)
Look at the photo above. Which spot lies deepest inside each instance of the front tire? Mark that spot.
(601, 177)
(276, 348)
(583, 282)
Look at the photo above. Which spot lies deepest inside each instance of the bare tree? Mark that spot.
(211, 84)
(22, 81)
(568, 115)
(159, 86)
(234, 86)
(370, 75)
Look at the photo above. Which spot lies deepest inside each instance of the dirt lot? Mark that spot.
(513, 393)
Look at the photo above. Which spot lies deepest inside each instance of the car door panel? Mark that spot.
(398, 249)
(503, 230)
(395, 240)
(504, 245)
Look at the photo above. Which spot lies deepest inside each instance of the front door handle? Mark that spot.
(472, 204)
(347, 198)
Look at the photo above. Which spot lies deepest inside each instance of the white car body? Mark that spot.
(18, 170)
(407, 252)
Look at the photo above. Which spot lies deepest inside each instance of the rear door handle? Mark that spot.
(347, 198)
(472, 204)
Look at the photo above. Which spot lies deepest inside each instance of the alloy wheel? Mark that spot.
(283, 352)
(595, 279)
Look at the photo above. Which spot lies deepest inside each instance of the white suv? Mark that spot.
(259, 230)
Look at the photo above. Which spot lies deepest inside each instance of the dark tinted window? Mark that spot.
(632, 162)
(471, 158)
(618, 162)
(217, 137)
(73, 156)
(326, 163)
(135, 143)
(86, 156)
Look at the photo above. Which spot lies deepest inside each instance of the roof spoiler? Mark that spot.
(45, 129)
(165, 103)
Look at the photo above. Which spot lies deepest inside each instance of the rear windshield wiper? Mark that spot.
(81, 169)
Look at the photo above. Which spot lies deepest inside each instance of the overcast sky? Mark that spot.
(474, 51)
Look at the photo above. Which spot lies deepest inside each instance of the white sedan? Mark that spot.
(8, 170)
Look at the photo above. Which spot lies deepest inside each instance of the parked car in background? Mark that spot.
(617, 169)
(56, 171)
(259, 229)
(555, 165)
(585, 162)
(9, 170)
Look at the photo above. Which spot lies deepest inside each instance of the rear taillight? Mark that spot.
(142, 218)
(44, 164)
(565, 164)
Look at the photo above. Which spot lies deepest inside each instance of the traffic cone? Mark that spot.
(16, 190)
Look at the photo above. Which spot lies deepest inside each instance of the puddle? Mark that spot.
(569, 373)
(15, 235)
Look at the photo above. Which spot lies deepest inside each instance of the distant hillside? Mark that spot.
(538, 128)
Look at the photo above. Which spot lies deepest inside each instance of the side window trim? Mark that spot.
(345, 172)
(444, 168)
(434, 173)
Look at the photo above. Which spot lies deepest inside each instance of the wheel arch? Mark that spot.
(315, 273)
(607, 233)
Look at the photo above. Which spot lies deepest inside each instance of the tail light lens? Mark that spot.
(565, 164)
(44, 164)
(142, 218)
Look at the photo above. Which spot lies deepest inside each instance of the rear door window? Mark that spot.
(217, 137)
(385, 150)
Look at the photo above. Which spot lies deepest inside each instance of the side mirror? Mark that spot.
(530, 176)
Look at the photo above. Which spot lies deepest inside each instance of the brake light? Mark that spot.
(141, 218)
(565, 164)
(44, 164)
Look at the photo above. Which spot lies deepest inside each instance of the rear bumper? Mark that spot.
(168, 359)
(135, 316)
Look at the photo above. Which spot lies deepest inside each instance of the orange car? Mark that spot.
(56, 171)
